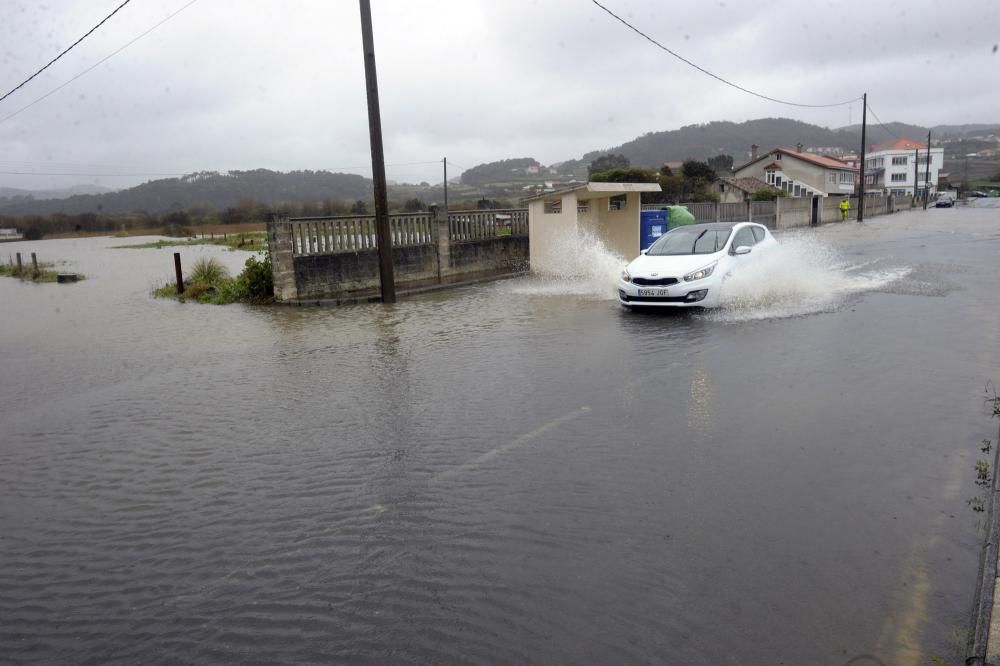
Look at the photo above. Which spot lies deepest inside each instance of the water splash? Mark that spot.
(799, 276)
(585, 268)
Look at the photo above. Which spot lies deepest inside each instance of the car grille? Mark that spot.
(654, 282)
(653, 299)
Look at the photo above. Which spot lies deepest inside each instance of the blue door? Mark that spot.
(652, 225)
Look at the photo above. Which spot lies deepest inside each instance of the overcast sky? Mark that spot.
(243, 84)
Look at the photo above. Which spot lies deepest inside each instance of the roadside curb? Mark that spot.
(984, 649)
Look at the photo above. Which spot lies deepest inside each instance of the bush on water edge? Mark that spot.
(209, 282)
(46, 272)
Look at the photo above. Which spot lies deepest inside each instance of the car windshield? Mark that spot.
(690, 240)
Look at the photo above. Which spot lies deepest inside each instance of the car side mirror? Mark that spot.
(644, 251)
(742, 249)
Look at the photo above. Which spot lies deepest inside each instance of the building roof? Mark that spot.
(610, 189)
(901, 144)
(824, 161)
(748, 184)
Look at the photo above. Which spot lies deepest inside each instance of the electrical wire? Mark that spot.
(96, 64)
(68, 49)
(716, 76)
(881, 124)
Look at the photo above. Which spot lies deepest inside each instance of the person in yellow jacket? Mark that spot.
(845, 208)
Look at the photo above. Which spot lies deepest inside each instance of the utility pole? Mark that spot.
(446, 186)
(927, 171)
(382, 234)
(864, 138)
(916, 174)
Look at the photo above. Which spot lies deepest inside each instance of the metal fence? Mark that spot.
(351, 233)
(733, 212)
(762, 212)
(471, 225)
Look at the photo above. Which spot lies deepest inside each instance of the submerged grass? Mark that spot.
(46, 272)
(250, 241)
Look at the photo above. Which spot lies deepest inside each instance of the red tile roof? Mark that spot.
(824, 161)
(748, 184)
(902, 144)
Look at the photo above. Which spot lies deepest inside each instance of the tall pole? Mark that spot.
(384, 238)
(446, 185)
(927, 171)
(916, 174)
(864, 139)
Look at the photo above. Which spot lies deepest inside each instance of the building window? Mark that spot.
(777, 181)
(583, 206)
(899, 177)
(617, 202)
(833, 176)
(798, 191)
(899, 161)
(777, 156)
(770, 176)
(553, 206)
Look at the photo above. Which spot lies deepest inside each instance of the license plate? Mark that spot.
(653, 292)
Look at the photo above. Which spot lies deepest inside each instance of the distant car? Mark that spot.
(944, 202)
(686, 266)
(976, 194)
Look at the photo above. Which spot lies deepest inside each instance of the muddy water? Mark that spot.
(514, 472)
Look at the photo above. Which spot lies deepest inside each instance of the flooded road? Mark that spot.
(519, 472)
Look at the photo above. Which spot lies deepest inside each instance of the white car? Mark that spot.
(686, 266)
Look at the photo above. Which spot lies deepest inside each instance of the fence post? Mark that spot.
(749, 210)
(281, 250)
(34, 265)
(177, 270)
(777, 212)
(20, 269)
(443, 239)
(718, 210)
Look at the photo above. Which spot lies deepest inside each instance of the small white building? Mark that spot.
(899, 167)
(606, 212)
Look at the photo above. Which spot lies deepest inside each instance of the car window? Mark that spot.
(758, 233)
(744, 237)
(689, 240)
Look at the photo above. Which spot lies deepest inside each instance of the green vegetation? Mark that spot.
(625, 175)
(768, 194)
(251, 241)
(982, 472)
(209, 282)
(46, 272)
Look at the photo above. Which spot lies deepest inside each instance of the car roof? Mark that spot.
(715, 225)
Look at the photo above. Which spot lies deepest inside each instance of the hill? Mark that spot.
(205, 191)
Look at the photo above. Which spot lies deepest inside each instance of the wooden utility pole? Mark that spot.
(446, 186)
(927, 171)
(382, 235)
(864, 138)
(916, 173)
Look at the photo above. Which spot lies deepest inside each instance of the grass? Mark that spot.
(46, 272)
(250, 241)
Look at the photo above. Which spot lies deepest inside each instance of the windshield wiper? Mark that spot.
(695, 243)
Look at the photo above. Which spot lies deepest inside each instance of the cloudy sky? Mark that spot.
(242, 84)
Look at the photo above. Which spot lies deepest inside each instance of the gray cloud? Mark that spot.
(260, 83)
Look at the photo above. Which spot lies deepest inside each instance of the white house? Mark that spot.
(606, 212)
(800, 173)
(900, 167)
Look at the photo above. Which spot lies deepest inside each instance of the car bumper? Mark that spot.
(699, 294)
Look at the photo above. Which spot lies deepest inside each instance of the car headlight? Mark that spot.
(625, 275)
(701, 273)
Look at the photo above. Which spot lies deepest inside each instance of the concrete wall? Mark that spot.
(619, 229)
(301, 277)
(550, 231)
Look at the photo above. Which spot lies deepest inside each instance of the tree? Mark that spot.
(693, 169)
(359, 208)
(624, 176)
(606, 163)
(413, 205)
(721, 163)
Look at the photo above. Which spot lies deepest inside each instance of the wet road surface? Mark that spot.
(520, 472)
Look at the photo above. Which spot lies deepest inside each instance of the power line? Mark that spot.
(96, 64)
(881, 124)
(68, 49)
(716, 76)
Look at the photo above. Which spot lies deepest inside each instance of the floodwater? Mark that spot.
(518, 472)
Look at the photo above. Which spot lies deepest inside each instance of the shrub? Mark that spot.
(208, 271)
(254, 285)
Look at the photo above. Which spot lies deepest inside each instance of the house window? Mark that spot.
(617, 202)
(583, 206)
(770, 176)
(899, 177)
(833, 176)
(899, 161)
(777, 156)
(798, 191)
(777, 181)
(553, 206)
